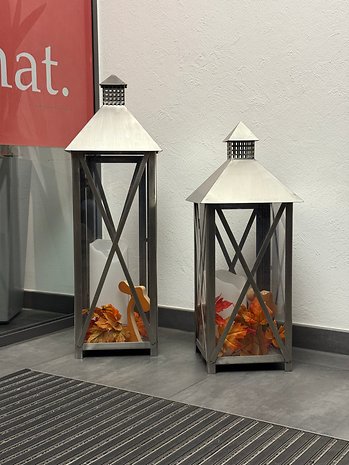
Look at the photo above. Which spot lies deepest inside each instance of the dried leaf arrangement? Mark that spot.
(105, 324)
(250, 333)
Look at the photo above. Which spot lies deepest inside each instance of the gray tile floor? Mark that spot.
(314, 396)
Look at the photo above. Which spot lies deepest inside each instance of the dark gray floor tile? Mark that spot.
(27, 354)
(174, 369)
(311, 398)
(7, 368)
(314, 357)
(314, 396)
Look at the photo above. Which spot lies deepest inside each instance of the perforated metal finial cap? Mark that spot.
(240, 142)
(113, 91)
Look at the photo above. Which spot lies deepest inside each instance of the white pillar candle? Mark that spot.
(229, 286)
(110, 294)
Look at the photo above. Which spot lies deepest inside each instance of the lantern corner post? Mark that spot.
(210, 253)
(142, 230)
(263, 277)
(152, 252)
(288, 284)
(197, 273)
(78, 227)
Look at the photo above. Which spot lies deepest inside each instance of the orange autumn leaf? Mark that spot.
(250, 333)
(140, 325)
(255, 343)
(240, 315)
(111, 314)
(270, 338)
(95, 336)
(236, 334)
(250, 345)
(221, 305)
(255, 316)
(105, 326)
(111, 309)
(122, 336)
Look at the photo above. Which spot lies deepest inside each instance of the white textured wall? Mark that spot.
(194, 69)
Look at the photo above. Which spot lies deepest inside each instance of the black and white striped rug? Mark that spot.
(52, 420)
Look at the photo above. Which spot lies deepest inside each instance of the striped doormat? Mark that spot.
(53, 420)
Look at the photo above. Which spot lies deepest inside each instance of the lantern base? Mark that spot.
(248, 359)
(79, 353)
(242, 360)
(288, 366)
(154, 350)
(116, 346)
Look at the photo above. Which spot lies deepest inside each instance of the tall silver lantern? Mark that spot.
(243, 295)
(114, 310)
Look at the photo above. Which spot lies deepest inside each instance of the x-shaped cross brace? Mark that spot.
(115, 234)
(250, 282)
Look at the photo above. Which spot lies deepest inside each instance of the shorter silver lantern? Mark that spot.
(243, 314)
(113, 136)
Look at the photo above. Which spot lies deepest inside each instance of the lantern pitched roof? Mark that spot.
(240, 182)
(113, 128)
(241, 179)
(113, 80)
(240, 133)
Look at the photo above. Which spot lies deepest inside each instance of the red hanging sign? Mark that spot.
(46, 71)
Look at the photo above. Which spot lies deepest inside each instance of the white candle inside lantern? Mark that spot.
(229, 286)
(110, 294)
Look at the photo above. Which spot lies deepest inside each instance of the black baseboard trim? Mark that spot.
(175, 318)
(306, 337)
(42, 329)
(49, 301)
(61, 304)
(325, 340)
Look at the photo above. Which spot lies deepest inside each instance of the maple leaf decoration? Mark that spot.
(250, 333)
(221, 305)
(255, 316)
(140, 325)
(235, 337)
(270, 336)
(105, 326)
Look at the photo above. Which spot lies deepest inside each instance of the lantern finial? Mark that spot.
(113, 91)
(240, 142)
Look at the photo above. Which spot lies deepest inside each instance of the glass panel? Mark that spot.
(251, 332)
(36, 235)
(200, 274)
(116, 318)
(15, 174)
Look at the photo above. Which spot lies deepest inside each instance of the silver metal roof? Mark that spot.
(113, 80)
(242, 181)
(113, 129)
(240, 133)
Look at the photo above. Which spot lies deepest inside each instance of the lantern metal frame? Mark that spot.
(211, 199)
(206, 234)
(87, 186)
